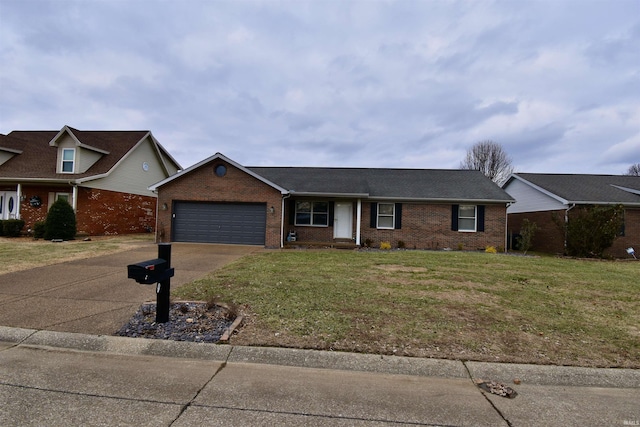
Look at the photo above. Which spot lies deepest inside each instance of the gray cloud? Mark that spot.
(400, 84)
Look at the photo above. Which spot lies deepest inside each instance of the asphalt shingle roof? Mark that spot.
(38, 159)
(582, 188)
(407, 184)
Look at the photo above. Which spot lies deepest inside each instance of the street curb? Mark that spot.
(349, 361)
(573, 376)
(396, 365)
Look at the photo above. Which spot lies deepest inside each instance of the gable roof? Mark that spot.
(584, 188)
(38, 152)
(217, 156)
(389, 184)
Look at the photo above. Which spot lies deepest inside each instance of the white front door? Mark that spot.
(8, 205)
(343, 221)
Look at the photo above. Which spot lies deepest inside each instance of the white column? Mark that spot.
(19, 200)
(358, 220)
(74, 198)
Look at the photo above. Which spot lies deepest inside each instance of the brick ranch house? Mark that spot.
(541, 197)
(221, 201)
(104, 175)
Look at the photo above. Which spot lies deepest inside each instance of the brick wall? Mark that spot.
(31, 214)
(203, 185)
(424, 226)
(99, 212)
(102, 212)
(550, 238)
(631, 236)
(428, 226)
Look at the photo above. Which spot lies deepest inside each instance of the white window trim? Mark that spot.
(62, 160)
(311, 214)
(475, 219)
(393, 217)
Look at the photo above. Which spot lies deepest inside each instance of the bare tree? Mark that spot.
(634, 170)
(489, 158)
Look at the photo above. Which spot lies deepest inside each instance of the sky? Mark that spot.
(399, 84)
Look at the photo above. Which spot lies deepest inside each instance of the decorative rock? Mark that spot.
(211, 324)
(497, 389)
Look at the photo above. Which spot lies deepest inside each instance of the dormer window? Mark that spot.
(68, 160)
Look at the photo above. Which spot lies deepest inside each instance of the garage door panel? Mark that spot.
(233, 223)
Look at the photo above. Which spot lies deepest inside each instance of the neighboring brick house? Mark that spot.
(104, 175)
(221, 201)
(547, 198)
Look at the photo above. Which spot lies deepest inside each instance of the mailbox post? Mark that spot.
(160, 272)
(163, 288)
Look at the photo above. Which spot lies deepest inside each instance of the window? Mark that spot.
(64, 196)
(68, 156)
(220, 170)
(386, 215)
(312, 213)
(467, 218)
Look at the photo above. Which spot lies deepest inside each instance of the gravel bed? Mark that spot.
(188, 321)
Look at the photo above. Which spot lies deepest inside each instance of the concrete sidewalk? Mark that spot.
(57, 378)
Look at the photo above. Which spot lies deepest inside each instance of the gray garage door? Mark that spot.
(240, 223)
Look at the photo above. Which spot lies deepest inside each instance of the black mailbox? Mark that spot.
(149, 272)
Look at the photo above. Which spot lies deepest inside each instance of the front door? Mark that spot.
(343, 221)
(8, 205)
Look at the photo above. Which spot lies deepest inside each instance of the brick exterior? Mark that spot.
(236, 186)
(424, 226)
(102, 212)
(428, 226)
(99, 212)
(631, 236)
(550, 238)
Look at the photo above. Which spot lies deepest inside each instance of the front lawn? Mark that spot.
(462, 305)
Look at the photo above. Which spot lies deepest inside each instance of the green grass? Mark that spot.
(463, 305)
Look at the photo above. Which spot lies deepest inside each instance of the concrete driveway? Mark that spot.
(93, 295)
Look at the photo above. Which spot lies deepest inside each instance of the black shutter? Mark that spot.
(331, 213)
(454, 217)
(398, 224)
(374, 215)
(292, 212)
(480, 213)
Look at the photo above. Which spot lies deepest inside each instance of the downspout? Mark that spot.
(157, 214)
(506, 228)
(566, 221)
(284, 197)
(19, 201)
(358, 220)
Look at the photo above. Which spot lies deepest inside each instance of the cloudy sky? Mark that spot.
(334, 83)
